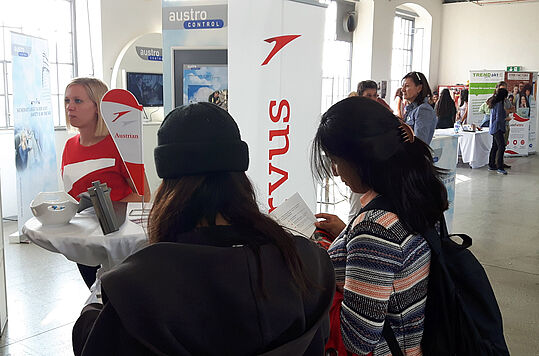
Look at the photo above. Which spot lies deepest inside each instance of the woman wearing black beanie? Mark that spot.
(219, 277)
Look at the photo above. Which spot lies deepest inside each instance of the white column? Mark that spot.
(275, 76)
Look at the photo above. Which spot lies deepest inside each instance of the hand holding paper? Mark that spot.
(331, 223)
(295, 215)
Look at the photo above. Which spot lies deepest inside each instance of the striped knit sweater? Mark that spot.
(383, 272)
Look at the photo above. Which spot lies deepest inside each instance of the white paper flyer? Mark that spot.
(295, 215)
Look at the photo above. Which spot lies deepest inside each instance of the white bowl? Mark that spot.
(54, 208)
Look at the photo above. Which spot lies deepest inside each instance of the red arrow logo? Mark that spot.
(280, 42)
(120, 114)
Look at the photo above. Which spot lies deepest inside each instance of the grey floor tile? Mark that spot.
(517, 295)
(53, 342)
(18, 350)
(45, 297)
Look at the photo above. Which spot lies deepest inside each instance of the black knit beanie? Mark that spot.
(197, 139)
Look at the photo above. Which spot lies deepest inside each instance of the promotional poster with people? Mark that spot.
(520, 106)
(522, 87)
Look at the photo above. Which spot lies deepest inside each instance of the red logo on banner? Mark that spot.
(127, 135)
(522, 142)
(520, 119)
(284, 105)
(120, 114)
(515, 142)
(280, 42)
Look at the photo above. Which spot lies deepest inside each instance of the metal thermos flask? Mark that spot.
(100, 196)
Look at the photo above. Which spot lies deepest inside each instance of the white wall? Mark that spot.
(122, 21)
(487, 37)
(375, 25)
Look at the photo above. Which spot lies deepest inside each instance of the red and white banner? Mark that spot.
(517, 144)
(516, 82)
(123, 115)
(275, 77)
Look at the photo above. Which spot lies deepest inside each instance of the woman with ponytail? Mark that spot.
(419, 115)
(381, 259)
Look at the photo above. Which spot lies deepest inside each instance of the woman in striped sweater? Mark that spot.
(381, 260)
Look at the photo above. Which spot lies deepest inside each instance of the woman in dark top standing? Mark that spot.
(497, 130)
(219, 277)
(445, 110)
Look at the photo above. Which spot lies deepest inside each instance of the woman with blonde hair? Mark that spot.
(91, 154)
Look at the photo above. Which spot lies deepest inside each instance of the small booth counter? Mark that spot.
(474, 147)
(445, 156)
(82, 240)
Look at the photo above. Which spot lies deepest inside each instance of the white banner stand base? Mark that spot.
(18, 238)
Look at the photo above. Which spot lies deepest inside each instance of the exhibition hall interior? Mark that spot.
(270, 69)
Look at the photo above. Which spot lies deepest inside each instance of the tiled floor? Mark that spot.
(501, 213)
(45, 296)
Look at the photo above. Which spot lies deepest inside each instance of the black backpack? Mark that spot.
(462, 316)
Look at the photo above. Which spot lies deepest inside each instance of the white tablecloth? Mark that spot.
(82, 240)
(474, 147)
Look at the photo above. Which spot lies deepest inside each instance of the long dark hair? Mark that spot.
(520, 101)
(445, 105)
(369, 138)
(498, 86)
(181, 204)
(419, 79)
(499, 96)
(463, 96)
(529, 87)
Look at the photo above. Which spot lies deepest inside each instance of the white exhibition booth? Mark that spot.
(271, 88)
(269, 77)
(191, 59)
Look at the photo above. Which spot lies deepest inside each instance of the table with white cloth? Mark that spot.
(474, 147)
(82, 240)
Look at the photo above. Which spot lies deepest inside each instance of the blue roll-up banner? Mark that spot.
(35, 155)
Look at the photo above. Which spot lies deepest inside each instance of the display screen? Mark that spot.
(146, 87)
(205, 83)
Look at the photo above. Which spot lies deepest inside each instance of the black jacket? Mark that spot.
(202, 296)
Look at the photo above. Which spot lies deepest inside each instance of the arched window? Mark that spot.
(412, 29)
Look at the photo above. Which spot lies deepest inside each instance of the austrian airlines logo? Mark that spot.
(280, 42)
(120, 114)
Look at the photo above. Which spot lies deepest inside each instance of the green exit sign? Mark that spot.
(514, 68)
